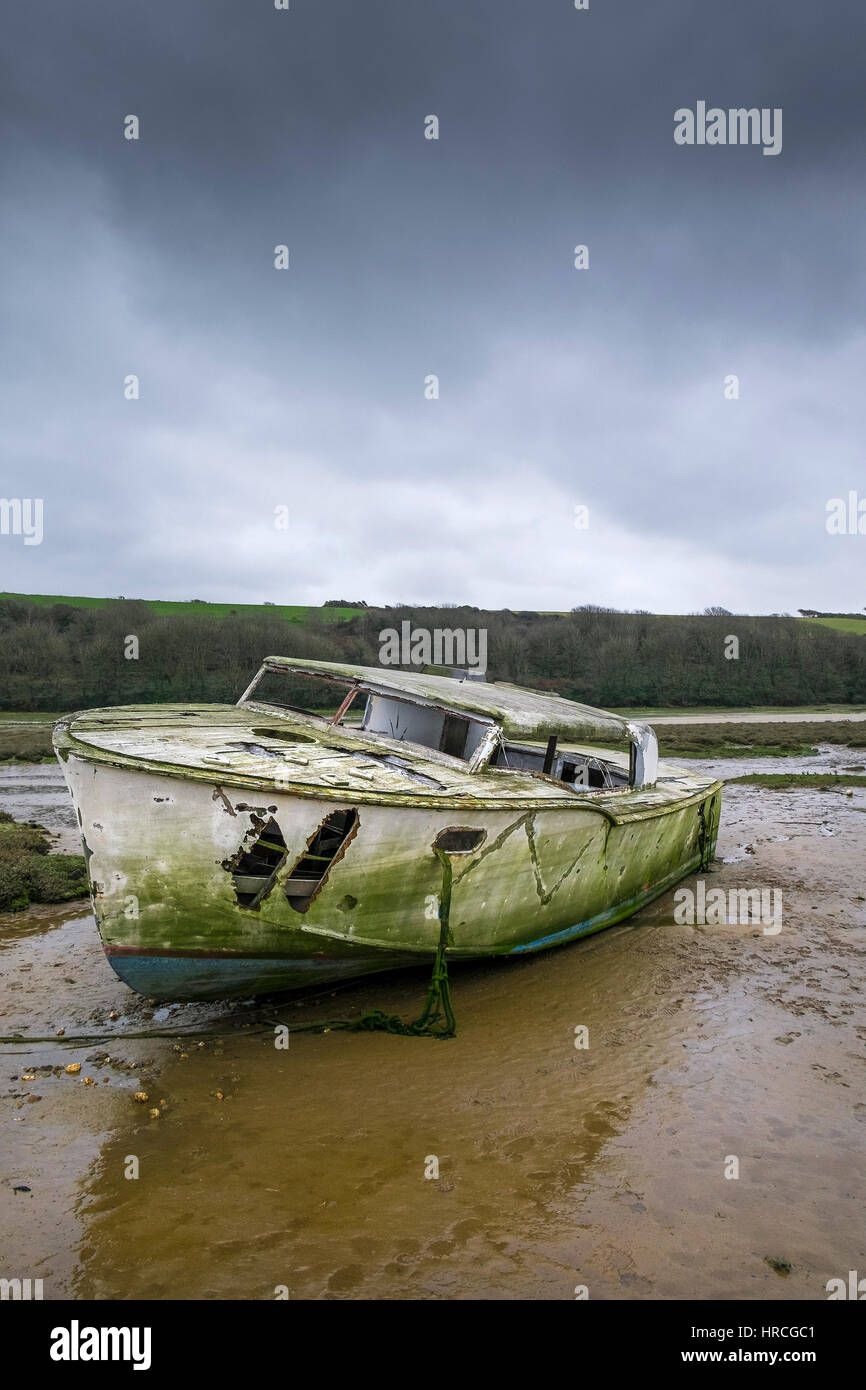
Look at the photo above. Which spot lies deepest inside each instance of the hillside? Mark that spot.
(840, 624)
(292, 613)
(62, 654)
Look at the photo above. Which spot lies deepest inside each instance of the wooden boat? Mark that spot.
(344, 819)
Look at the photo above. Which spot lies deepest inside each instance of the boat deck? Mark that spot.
(253, 747)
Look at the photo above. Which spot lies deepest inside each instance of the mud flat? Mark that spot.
(558, 1166)
(758, 717)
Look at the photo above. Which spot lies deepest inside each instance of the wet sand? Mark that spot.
(558, 1167)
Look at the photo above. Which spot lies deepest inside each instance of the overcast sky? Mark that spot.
(305, 388)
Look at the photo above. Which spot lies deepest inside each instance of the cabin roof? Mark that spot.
(523, 714)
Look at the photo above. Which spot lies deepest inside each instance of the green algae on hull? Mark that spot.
(250, 848)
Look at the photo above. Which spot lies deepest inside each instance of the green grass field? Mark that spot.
(292, 613)
(696, 711)
(857, 625)
(25, 743)
(29, 716)
(734, 740)
(800, 781)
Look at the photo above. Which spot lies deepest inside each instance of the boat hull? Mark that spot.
(161, 851)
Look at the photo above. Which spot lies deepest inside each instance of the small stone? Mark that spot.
(60, 1032)
(72, 1068)
(154, 1113)
(114, 1014)
(89, 1081)
(220, 1096)
(141, 1097)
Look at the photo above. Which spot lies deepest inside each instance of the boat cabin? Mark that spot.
(482, 725)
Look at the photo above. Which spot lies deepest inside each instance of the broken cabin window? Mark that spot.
(315, 695)
(344, 702)
(427, 726)
(455, 731)
(574, 768)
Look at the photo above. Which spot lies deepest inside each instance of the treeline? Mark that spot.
(63, 658)
(816, 613)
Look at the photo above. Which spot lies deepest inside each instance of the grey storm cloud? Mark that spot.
(409, 257)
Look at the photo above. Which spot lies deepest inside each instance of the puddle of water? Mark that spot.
(37, 792)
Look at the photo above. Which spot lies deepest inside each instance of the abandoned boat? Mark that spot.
(340, 820)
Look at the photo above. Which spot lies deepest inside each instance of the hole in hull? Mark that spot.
(457, 839)
(255, 866)
(325, 846)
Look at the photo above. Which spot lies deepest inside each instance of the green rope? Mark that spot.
(437, 1005)
(704, 837)
(439, 993)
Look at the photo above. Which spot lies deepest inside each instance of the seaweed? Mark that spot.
(30, 873)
